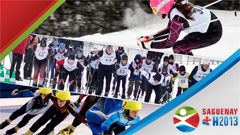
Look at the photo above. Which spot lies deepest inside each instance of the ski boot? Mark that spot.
(123, 96)
(54, 82)
(90, 91)
(45, 81)
(113, 89)
(19, 78)
(34, 84)
(115, 95)
(106, 94)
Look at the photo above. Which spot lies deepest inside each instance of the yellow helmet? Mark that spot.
(45, 91)
(63, 95)
(132, 105)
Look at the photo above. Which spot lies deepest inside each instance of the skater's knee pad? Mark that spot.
(29, 132)
(8, 120)
(16, 128)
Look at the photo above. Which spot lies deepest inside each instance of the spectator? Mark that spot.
(17, 58)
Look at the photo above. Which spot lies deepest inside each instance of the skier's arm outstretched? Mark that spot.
(163, 34)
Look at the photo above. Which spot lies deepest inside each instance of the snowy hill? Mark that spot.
(141, 23)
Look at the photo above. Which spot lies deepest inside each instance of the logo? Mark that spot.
(186, 119)
(206, 121)
(219, 117)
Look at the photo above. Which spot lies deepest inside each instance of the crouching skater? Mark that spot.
(55, 114)
(87, 103)
(37, 105)
(118, 121)
(112, 116)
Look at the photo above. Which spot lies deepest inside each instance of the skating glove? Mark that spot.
(15, 92)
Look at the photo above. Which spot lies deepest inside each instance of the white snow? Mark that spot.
(141, 23)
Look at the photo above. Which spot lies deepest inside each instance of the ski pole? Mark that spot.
(161, 36)
(210, 4)
(161, 99)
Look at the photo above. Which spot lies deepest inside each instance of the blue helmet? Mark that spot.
(138, 57)
(79, 50)
(62, 46)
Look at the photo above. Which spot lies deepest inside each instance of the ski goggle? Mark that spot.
(156, 9)
(184, 2)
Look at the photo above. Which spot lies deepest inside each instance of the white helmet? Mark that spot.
(93, 49)
(205, 62)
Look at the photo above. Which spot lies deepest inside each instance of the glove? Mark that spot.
(105, 125)
(174, 74)
(15, 92)
(145, 38)
(169, 89)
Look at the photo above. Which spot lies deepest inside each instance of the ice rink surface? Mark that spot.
(6, 110)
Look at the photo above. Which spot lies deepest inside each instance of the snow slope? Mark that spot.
(141, 23)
